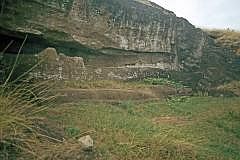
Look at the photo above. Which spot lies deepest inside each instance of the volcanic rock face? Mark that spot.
(114, 28)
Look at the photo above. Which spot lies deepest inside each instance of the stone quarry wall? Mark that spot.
(127, 25)
(151, 36)
(60, 67)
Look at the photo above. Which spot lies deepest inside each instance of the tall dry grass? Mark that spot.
(21, 102)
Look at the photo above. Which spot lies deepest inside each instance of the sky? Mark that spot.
(217, 14)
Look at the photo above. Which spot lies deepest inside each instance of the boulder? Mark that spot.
(86, 142)
(49, 54)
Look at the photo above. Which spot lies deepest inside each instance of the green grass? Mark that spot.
(206, 128)
(113, 84)
(101, 84)
(163, 81)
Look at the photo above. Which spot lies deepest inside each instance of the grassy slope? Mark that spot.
(189, 128)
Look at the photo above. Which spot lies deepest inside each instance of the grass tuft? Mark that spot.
(22, 99)
(20, 105)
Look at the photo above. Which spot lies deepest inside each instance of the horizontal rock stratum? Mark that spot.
(126, 33)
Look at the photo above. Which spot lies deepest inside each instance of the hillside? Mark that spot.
(134, 120)
(226, 38)
(196, 128)
(115, 80)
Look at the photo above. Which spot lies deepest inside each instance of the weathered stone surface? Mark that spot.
(59, 66)
(130, 25)
(129, 33)
(49, 55)
(86, 142)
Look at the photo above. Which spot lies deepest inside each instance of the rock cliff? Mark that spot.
(126, 32)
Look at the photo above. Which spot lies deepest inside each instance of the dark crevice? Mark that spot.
(14, 43)
(37, 43)
(34, 43)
